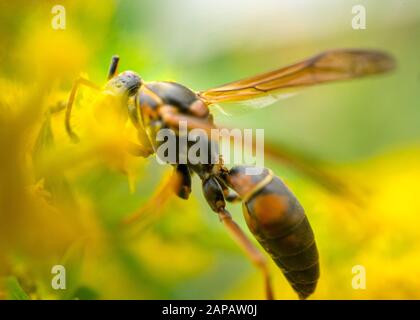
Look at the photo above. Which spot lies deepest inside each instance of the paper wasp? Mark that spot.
(271, 211)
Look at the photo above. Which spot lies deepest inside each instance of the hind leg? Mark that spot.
(255, 255)
(230, 196)
(213, 192)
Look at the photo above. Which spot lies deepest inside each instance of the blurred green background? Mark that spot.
(366, 132)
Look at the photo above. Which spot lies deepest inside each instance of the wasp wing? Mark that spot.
(232, 108)
(329, 66)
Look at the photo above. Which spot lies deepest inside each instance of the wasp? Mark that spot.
(272, 212)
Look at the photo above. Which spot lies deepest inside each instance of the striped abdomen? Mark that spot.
(278, 221)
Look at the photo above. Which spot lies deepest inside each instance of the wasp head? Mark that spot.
(125, 84)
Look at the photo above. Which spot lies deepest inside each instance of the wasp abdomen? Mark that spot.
(278, 221)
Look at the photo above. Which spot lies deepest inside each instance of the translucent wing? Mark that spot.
(231, 108)
(329, 66)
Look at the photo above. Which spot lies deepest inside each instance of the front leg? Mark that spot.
(80, 81)
(145, 148)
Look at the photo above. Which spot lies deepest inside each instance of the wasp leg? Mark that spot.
(157, 201)
(141, 132)
(230, 196)
(213, 192)
(252, 252)
(80, 81)
(112, 71)
(183, 190)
